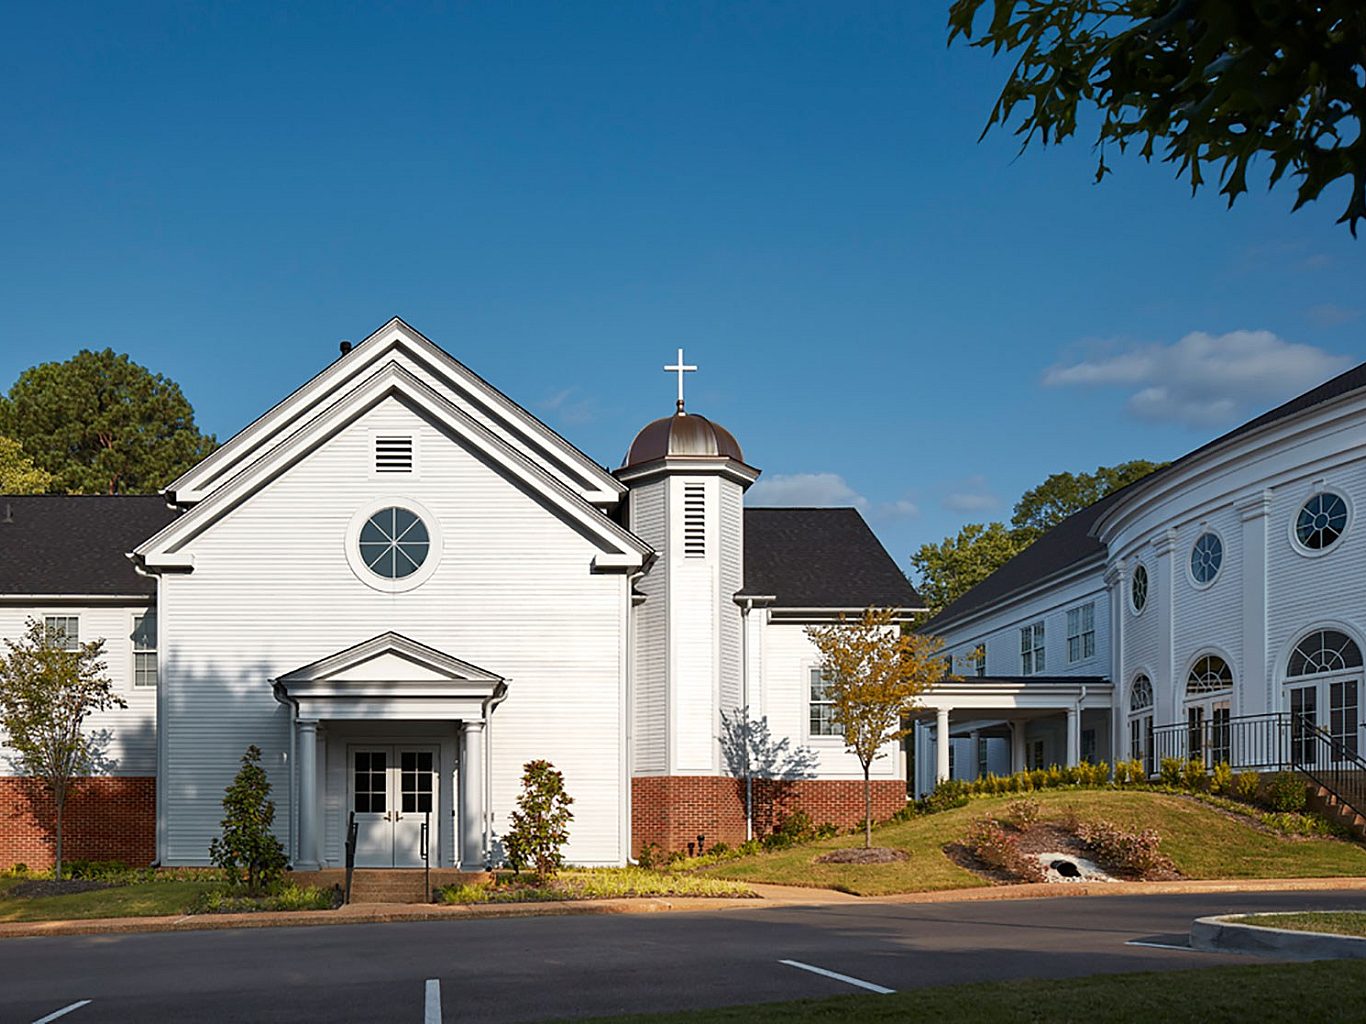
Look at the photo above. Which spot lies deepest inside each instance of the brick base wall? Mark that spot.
(672, 811)
(106, 819)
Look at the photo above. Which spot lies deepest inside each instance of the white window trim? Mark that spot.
(44, 616)
(1038, 649)
(817, 737)
(1147, 590)
(133, 651)
(1294, 536)
(373, 580)
(1223, 559)
(1082, 633)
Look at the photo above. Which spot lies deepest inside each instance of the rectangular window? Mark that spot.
(1088, 746)
(145, 649)
(695, 520)
(978, 660)
(1081, 632)
(1036, 755)
(1031, 650)
(822, 706)
(64, 629)
(981, 757)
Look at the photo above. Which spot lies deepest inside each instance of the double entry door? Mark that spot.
(1331, 707)
(393, 794)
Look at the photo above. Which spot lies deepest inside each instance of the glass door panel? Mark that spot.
(1344, 717)
(1303, 722)
(370, 804)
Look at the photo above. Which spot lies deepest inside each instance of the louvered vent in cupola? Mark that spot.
(695, 520)
(393, 454)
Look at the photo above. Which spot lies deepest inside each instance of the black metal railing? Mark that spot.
(1273, 742)
(426, 855)
(351, 833)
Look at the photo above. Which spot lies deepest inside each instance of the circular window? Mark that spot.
(394, 543)
(1206, 557)
(1321, 521)
(1138, 588)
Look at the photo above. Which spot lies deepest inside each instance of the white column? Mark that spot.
(1018, 761)
(1073, 737)
(472, 796)
(1253, 693)
(307, 752)
(941, 745)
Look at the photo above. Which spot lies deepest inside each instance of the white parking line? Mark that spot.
(62, 1012)
(881, 990)
(1162, 945)
(432, 1013)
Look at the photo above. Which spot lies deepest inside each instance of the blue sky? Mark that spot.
(885, 311)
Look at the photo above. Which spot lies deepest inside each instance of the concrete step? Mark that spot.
(389, 885)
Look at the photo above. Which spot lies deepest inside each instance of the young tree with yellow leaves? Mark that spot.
(873, 671)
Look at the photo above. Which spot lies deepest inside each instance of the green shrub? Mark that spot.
(1245, 785)
(721, 849)
(748, 848)
(949, 794)
(1135, 853)
(248, 851)
(792, 829)
(650, 854)
(1170, 772)
(539, 827)
(1193, 776)
(1221, 779)
(1285, 791)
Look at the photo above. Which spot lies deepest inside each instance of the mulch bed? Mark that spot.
(858, 855)
(52, 887)
(1045, 837)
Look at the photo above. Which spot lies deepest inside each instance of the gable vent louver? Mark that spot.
(393, 455)
(694, 521)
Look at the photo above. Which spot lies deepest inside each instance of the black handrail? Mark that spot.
(351, 833)
(426, 857)
(1281, 741)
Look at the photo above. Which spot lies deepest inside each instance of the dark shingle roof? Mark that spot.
(64, 544)
(821, 558)
(1070, 543)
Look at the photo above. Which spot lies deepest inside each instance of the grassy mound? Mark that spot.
(1202, 841)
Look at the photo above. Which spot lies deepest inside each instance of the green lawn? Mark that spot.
(1334, 922)
(1322, 991)
(1202, 841)
(146, 899)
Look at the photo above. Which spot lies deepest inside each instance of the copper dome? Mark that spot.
(682, 435)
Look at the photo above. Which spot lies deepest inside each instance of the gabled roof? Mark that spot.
(620, 549)
(68, 545)
(821, 558)
(1070, 544)
(398, 343)
(390, 659)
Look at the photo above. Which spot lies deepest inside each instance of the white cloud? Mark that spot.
(904, 508)
(568, 408)
(1204, 379)
(970, 495)
(819, 489)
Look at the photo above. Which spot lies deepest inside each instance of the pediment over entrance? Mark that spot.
(390, 676)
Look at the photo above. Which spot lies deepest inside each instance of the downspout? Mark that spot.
(284, 698)
(631, 626)
(745, 609)
(489, 704)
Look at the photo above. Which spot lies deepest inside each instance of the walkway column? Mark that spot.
(472, 796)
(307, 752)
(975, 769)
(1017, 745)
(941, 745)
(1073, 737)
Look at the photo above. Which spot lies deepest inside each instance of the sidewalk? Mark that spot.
(771, 897)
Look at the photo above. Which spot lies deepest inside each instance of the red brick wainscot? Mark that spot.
(107, 818)
(671, 811)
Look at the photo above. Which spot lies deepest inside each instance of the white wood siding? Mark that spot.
(648, 521)
(732, 548)
(513, 593)
(130, 743)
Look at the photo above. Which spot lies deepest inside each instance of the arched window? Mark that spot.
(1141, 694)
(1209, 675)
(1328, 650)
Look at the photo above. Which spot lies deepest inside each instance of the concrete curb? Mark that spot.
(1222, 935)
(772, 897)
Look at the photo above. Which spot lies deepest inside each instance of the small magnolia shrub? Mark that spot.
(1134, 852)
(540, 824)
(1285, 791)
(1245, 786)
(650, 854)
(1024, 813)
(248, 851)
(998, 848)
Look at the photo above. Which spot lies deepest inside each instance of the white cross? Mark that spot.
(680, 368)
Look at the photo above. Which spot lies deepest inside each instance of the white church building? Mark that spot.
(402, 586)
(1215, 610)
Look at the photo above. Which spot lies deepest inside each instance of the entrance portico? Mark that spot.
(1042, 719)
(396, 732)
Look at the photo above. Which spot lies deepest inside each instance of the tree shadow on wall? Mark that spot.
(766, 770)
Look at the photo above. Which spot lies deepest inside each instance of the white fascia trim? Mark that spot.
(162, 550)
(1319, 418)
(196, 484)
(79, 599)
(1023, 595)
(684, 465)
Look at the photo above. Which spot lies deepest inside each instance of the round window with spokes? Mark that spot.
(394, 543)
